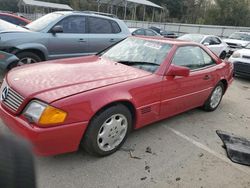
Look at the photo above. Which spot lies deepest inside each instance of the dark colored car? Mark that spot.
(14, 19)
(95, 101)
(143, 32)
(166, 34)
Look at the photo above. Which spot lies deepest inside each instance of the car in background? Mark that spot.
(7, 59)
(214, 43)
(238, 40)
(241, 61)
(166, 34)
(95, 101)
(14, 19)
(143, 32)
(61, 35)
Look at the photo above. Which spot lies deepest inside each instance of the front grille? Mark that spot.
(246, 57)
(12, 99)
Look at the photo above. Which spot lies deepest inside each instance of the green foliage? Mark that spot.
(229, 12)
(221, 12)
(7, 5)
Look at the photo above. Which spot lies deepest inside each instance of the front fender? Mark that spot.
(33, 46)
(84, 106)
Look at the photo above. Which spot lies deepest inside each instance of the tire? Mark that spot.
(223, 55)
(16, 164)
(26, 58)
(107, 131)
(215, 98)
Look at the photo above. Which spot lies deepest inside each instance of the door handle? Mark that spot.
(206, 77)
(112, 40)
(81, 40)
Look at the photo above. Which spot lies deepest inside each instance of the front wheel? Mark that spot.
(215, 98)
(25, 58)
(108, 130)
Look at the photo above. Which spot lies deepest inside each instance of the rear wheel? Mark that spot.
(215, 98)
(108, 130)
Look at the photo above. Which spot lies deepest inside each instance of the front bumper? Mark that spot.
(241, 66)
(46, 141)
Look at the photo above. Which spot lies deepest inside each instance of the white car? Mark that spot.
(241, 61)
(214, 43)
(237, 40)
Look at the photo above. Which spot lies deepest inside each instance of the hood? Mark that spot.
(52, 80)
(6, 27)
(235, 42)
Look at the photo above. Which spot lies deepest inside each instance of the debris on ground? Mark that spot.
(196, 136)
(147, 168)
(238, 148)
(201, 155)
(178, 179)
(148, 150)
(132, 156)
(143, 178)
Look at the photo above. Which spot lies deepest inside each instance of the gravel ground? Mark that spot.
(183, 151)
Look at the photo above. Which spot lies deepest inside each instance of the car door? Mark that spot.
(73, 41)
(183, 93)
(102, 33)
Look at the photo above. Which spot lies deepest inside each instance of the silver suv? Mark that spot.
(61, 35)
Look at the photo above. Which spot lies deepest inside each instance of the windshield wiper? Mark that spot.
(137, 63)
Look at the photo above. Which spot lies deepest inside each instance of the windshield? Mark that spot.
(43, 22)
(194, 38)
(240, 36)
(136, 50)
(6, 26)
(248, 46)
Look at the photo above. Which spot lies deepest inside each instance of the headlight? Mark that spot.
(44, 114)
(236, 55)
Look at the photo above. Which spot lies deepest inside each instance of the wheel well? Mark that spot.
(35, 51)
(128, 104)
(224, 82)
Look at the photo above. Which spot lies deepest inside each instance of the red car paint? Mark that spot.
(82, 86)
(14, 18)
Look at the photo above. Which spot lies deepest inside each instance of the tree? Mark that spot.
(229, 12)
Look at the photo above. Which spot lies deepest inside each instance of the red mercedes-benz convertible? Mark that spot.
(96, 101)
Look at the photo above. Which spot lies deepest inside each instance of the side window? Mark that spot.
(192, 57)
(216, 40)
(115, 27)
(208, 40)
(99, 25)
(149, 33)
(73, 24)
(139, 32)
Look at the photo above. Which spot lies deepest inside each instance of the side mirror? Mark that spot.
(175, 70)
(57, 29)
(206, 44)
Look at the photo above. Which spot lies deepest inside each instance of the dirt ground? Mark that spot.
(183, 151)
